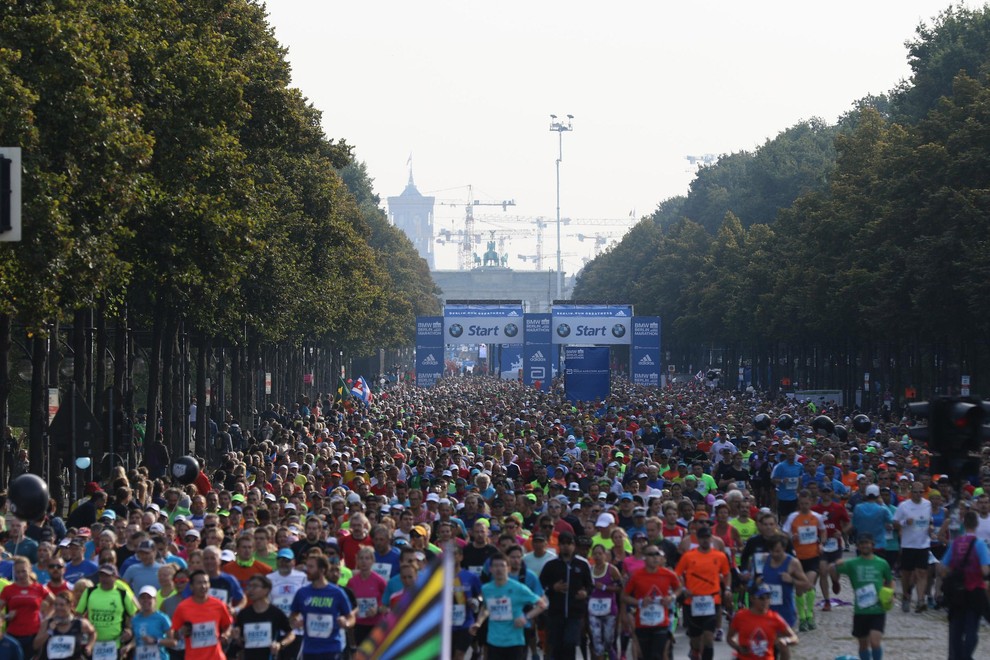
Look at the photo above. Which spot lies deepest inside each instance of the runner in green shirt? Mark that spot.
(109, 608)
(869, 575)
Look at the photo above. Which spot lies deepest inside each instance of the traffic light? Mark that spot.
(955, 430)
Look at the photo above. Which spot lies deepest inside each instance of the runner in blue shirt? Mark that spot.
(324, 610)
(504, 603)
(150, 628)
(787, 477)
(467, 595)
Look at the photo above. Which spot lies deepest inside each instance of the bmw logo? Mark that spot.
(511, 330)
(563, 330)
(618, 330)
(456, 330)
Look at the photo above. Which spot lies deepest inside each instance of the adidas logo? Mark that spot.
(538, 357)
(429, 361)
(646, 361)
(621, 312)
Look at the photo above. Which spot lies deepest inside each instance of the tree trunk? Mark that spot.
(39, 404)
(168, 402)
(100, 363)
(4, 394)
(202, 436)
(155, 371)
(236, 355)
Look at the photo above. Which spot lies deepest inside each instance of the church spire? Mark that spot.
(409, 164)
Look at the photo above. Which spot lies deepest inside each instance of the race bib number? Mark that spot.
(147, 652)
(319, 625)
(807, 535)
(222, 594)
(759, 559)
(791, 483)
(702, 605)
(866, 596)
(283, 603)
(204, 635)
(384, 570)
(776, 594)
(367, 607)
(600, 606)
(105, 650)
(476, 569)
(831, 545)
(460, 615)
(741, 485)
(257, 635)
(501, 609)
(61, 646)
(652, 612)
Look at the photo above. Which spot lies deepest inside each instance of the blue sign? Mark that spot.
(645, 353)
(429, 350)
(539, 353)
(586, 373)
(592, 324)
(511, 362)
(483, 324)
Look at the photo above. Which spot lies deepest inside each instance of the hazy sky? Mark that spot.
(468, 87)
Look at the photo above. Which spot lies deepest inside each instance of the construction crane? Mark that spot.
(465, 251)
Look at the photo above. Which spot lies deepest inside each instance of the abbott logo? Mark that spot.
(429, 361)
(645, 361)
(538, 357)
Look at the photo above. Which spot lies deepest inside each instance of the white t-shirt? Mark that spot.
(916, 534)
(983, 529)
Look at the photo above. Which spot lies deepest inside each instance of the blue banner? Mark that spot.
(511, 362)
(645, 353)
(592, 324)
(539, 353)
(429, 350)
(586, 373)
(483, 324)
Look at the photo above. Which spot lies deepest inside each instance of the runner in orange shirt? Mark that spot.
(808, 535)
(758, 633)
(705, 572)
(202, 621)
(652, 591)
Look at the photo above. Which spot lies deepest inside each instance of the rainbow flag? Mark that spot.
(420, 626)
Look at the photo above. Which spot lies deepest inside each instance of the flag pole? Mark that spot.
(449, 574)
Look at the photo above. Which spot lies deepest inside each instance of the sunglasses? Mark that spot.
(52, 567)
(651, 554)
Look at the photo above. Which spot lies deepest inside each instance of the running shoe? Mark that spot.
(906, 605)
(827, 606)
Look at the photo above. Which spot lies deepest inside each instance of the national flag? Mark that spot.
(700, 375)
(361, 390)
(420, 627)
(343, 391)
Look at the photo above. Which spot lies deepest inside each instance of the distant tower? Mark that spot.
(413, 213)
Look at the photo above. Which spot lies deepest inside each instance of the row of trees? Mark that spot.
(180, 198)
(836, 250)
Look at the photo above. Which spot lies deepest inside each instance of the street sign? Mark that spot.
(10, 194)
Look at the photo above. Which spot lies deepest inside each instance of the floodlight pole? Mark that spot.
(560, 128)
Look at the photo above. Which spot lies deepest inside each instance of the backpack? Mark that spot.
(954, 583)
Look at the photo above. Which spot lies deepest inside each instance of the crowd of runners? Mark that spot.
(650, 525)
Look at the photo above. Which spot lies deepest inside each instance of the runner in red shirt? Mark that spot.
(202, 621)
(23, 600)
(653, 592)
(837, 525)
(759, 633)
